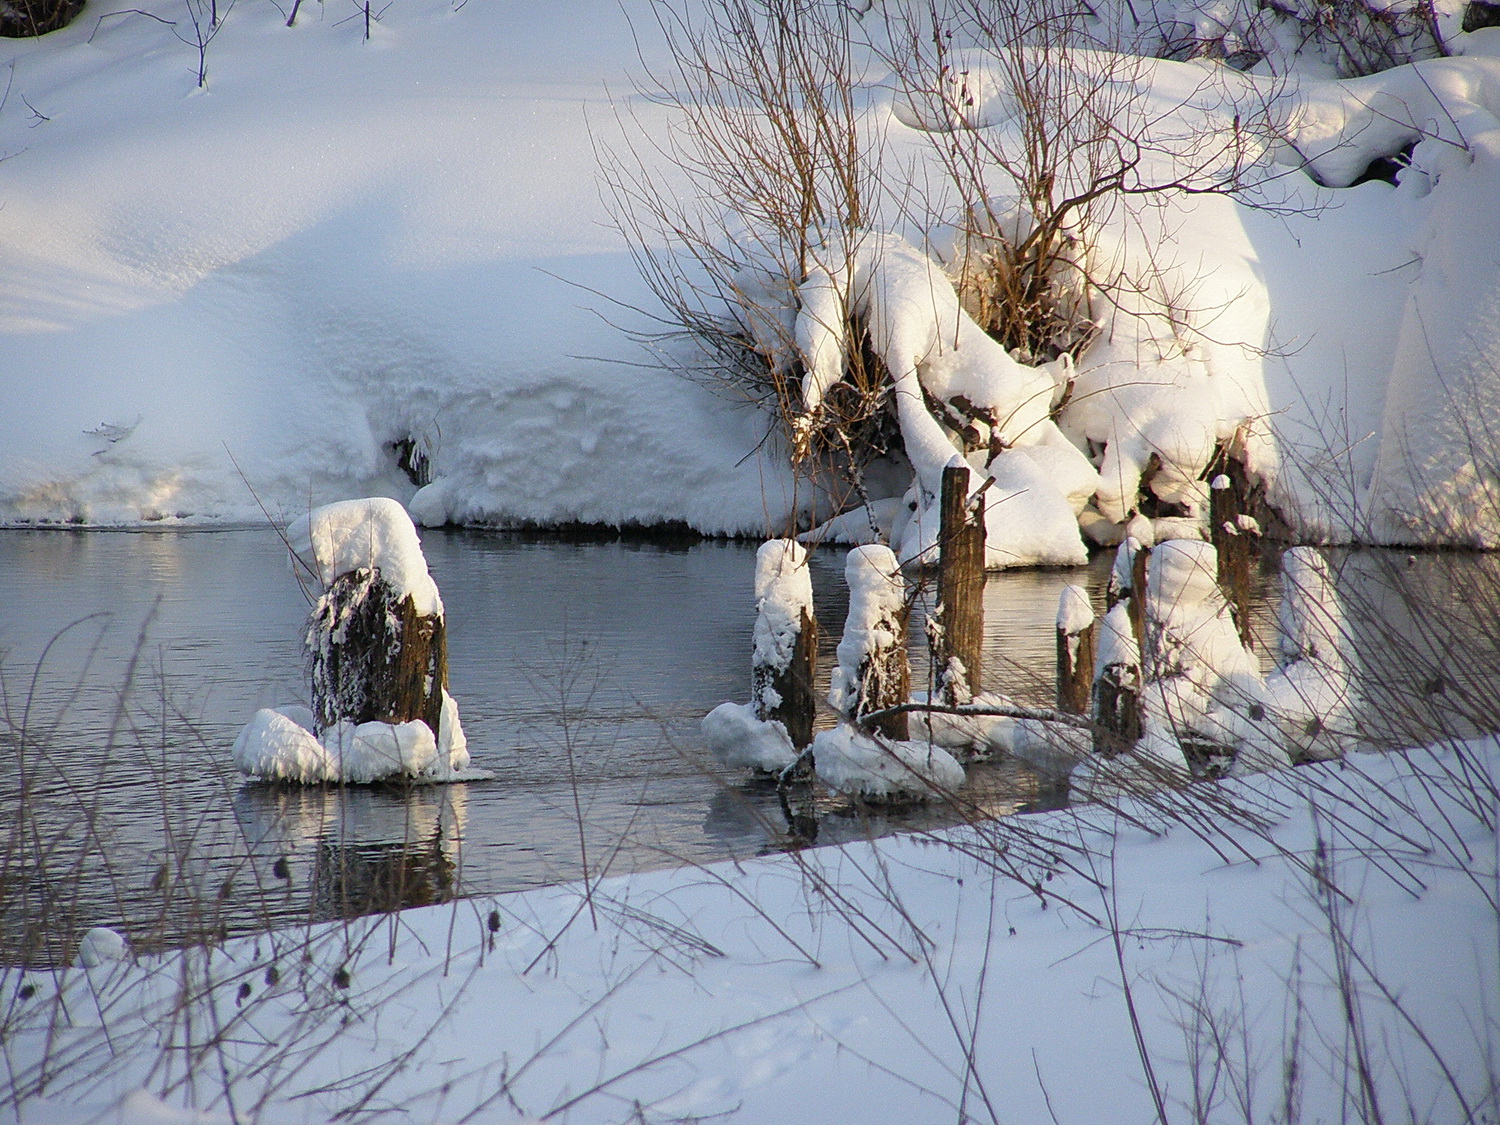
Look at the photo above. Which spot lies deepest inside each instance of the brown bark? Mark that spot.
(960, 587)
(374, 657)
(1075, 670)
(793, 685)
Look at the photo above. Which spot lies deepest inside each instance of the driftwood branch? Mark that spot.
(1000, 711)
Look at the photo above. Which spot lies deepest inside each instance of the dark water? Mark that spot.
(129, 661)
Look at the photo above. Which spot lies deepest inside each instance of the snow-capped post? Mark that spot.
(873, 672)
(960, 612)
(379, 655)
(376, 636)
(786, 640)
(1117, 684)
(1075, 651)
(1234, 529)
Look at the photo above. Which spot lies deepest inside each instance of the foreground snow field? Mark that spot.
(248, 294)
(979, 974)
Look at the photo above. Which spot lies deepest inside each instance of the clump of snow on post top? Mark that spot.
(783, 592)
(376, 532)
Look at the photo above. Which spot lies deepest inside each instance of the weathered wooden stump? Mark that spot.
(1117, 684)
(1136, 603)
(786, 641)
(375, 658)
(1234, 505)
(1075, 651)
(960, 613)
(874, 673)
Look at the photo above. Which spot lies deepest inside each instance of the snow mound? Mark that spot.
(100, 946)
(741, 740)
(275, 746)
(850, 762)
(338, 538)
(932, 347)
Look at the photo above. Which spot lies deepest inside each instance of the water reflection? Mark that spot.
(348, 851)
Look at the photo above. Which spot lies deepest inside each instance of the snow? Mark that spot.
(255, 308)
(333, 247)
(100, 946)
(880, 769)
(739, 738)
(1075, 612)
(279, 745)
(337, 539)
(823, 982)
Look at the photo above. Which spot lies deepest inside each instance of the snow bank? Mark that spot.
(880, 769)
(793, 987)
(201, 284)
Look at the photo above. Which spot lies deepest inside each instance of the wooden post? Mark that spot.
(960, 611)
(1234, 529)
(1137, 601)
(374, 657)
(1075, 651)
(1117, 709)
(786, 640)
(874, 673)
(790, 699)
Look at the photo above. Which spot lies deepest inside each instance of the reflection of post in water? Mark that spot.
(354, 879)
(398, 848)
(356, 850)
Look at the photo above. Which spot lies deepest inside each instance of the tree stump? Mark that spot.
(1234, 504)
(785, 694)
(874, 673)
(960, 611)
(374, 657)
(1117, 709)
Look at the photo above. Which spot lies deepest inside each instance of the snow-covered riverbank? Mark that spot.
(264, 287)
(913, 979)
